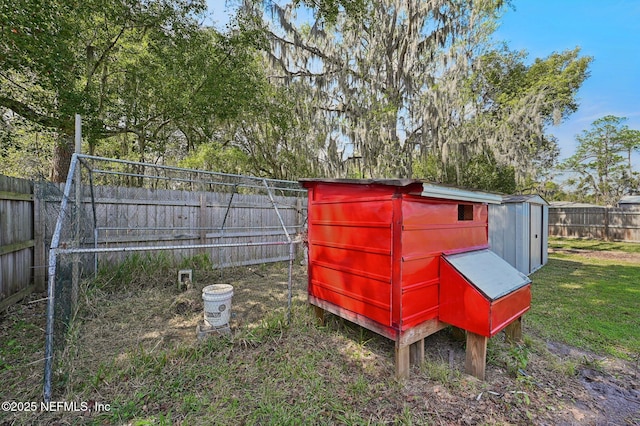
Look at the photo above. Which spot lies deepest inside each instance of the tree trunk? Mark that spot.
(61, 161)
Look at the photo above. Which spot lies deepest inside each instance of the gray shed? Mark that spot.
(629, 202)
(519, 231)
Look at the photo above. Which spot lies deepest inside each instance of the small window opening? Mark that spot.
(465, 212)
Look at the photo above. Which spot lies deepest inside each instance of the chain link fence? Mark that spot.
(109, 209)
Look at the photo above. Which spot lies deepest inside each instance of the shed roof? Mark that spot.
(525, 198)
(630, 199)
(453, 193)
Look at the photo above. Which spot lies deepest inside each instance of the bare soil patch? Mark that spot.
(600, 254)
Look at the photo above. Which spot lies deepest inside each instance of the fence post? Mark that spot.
(202, 221)
(606, 223)
(39, 248)
(299, 223)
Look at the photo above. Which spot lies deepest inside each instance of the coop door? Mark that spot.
(536, 238)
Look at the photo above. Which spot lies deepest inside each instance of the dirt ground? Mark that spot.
(600, 254)
(596, 390)
(602, 391)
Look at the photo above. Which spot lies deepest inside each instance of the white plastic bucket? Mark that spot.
(217, 304)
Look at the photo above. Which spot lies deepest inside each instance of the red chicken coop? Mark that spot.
(405, 259)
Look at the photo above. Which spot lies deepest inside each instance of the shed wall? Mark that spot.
(510, 230)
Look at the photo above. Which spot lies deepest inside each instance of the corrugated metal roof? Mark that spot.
(488, 272)
(452, 193)
(630, 199)
(524, 198)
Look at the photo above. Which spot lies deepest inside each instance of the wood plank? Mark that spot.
(15, 298)
(476, 355)
(202, 220)
(39, 235)
(319, 314)
(12, 248)
(416, 352)
(421, 331)
(15, 196)
(354, 317)
(513, 331)
(403, 361)
(133, 207)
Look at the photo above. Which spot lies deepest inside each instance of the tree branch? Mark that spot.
(28, 113)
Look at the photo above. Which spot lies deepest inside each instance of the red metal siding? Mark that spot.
(462, 305)
(376, 250)
(506, 309)
(350, 253)
(347, 192)
(431, 227)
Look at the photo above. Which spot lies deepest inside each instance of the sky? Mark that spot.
(607, 30)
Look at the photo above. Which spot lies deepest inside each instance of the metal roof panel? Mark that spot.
(488, 272)
(453, 193)
(530, 198)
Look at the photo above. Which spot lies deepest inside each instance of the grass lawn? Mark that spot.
(589, 302)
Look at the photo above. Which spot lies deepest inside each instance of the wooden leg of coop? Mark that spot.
(476, 355)
(319, 315)
(402, 361)
(514, 331)
(416, 352)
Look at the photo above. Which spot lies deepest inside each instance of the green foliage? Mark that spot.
(25, 149)
(274, 136)
(137, 271)
(505, 80)
(148, 79)
(515, 104)
(481, 172)
(154, 85)
(211, 156)
(518, 360)
(601, 171)
(328, 10)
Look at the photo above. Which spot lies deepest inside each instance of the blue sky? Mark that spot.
(607, 30)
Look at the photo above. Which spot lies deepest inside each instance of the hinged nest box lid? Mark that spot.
(488, 272)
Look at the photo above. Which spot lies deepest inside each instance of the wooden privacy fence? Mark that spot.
(604, 223)
(112, 217)
(139, 217)
(19, 241)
